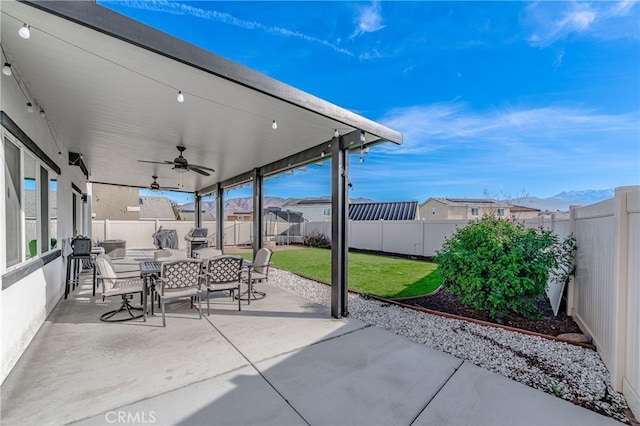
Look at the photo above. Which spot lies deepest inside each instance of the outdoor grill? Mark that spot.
(197, 239)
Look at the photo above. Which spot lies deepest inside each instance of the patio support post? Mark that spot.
(339, 225)
(258, 201)
(198, 212)
(220, 217)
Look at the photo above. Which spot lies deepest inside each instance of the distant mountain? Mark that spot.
(563, 200)
(584, 197)
(245, 204)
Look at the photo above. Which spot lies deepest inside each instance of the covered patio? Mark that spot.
(123, 100)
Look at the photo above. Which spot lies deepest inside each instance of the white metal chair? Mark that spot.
(112, 285)
(259, 271)
(179, 279)
(222, 273)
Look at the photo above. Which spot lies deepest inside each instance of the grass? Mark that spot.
(370, 274)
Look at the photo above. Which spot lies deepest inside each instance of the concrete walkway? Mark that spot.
(281, 361)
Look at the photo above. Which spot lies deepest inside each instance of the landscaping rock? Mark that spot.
(574, 337)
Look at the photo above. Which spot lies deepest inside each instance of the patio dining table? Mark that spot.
(149, 272)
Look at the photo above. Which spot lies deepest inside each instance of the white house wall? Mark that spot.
(25, 304)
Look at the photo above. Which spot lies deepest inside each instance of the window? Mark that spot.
(13, 203)
(53, 210)
(500, 212)
(27, 203)
(30, 206)
(326, 212)
(474, 211)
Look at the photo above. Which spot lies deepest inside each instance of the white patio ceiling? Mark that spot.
(108, 85)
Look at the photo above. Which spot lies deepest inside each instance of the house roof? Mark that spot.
(309, 201)
(468, 202)
(515, 208)
(109, 85)
(404, 210)
(156, 208)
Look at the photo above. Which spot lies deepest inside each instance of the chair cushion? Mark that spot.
(223, 286)
(124, 287)
(175, 293)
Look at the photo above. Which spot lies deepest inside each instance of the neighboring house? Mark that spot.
(522, 212)
(240, 217)
(403, 210)
(463, 208)
(156, 208)
(312, 209)
(114, 202)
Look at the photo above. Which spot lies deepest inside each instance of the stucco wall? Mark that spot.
(26, 303)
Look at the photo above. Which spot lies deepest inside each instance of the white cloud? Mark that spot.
(369, 20)
(550, 22)
(176, 8)
(439, 126)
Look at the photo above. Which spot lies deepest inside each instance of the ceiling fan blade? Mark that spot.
(201, 167)
(197, 170)
(169, 187)
(155, 162)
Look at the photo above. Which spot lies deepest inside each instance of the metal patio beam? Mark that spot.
(258, 201)
(220, 217)
(339, 225)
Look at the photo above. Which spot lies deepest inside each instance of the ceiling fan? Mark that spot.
(181, 165)
(155, 186)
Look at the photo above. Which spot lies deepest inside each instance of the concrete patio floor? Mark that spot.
(280, 361)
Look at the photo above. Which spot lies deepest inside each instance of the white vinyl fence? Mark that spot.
(139, 234)
(606, 294)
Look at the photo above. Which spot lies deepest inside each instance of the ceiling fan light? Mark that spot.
(29, 107)
(25, 31)
(181, 169)
(6, 69)
(180, 97)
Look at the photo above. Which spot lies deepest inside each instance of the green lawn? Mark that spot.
(377, 275)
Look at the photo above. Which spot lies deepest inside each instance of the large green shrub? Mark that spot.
(500, 266)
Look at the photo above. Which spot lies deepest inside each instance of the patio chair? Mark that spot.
(222, 273)
(179, 279)
(112, 285)
(259, 271)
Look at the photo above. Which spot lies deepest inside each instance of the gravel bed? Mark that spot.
(571, 372)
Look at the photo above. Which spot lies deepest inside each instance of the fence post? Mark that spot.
(571, 291)
(422, 238)
(621, 259)
(107, 229)
(381, 234)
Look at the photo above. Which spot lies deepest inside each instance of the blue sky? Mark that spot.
(502, 98)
